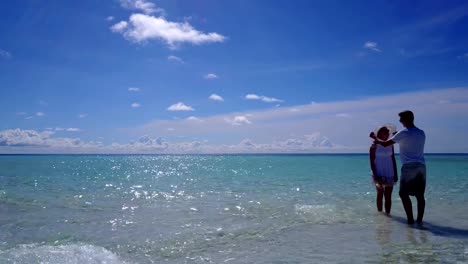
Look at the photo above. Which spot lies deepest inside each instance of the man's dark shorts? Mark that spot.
(413, 178)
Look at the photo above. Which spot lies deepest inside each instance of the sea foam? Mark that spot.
(67, 254)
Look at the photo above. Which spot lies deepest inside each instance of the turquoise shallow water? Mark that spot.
(222, 209)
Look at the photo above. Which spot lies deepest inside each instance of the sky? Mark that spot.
(245, 76)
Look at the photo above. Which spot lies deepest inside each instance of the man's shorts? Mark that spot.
(413, 178)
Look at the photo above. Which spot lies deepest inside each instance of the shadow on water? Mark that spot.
(438, 230)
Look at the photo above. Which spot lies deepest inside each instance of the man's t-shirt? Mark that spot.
(411, 141)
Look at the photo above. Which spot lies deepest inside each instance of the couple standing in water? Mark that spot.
(413, 171)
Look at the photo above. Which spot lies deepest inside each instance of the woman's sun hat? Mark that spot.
(391, 129)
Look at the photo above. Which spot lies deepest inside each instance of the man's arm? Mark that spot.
(381, 142)
(395, 176)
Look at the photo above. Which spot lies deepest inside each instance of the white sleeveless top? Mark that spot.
(383, 162)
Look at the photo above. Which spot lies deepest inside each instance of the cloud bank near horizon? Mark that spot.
(30, 141)
(346, 123)
(330, 127)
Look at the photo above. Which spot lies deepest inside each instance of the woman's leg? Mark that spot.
(380, 193)
(388, 199)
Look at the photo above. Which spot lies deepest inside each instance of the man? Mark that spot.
(413, 170)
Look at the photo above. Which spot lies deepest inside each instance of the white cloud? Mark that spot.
(135, 105)
(82, 115)
(216, 97)
(443, 102)
(252, 97)
(345, 115)
(5, 54)
(133, 89)
(176, 59)
(238, 120)
(119, 27)
(110, 18)
(180, 107)
(29, 117)
(141, 5)
(270, 99)
(70, 129)
(21, 113)
(372, 46)
(263, 98)
(210, 76)
(40, 114)
(32, 141)
(193, 118)
(148, 141)
(308, 142)
(247, 143)
(18, 137)
(141, 28)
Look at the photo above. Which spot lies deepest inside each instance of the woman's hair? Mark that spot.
(382, 129)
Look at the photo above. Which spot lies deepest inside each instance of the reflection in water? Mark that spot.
(383, 230)
(383, 234)
(416, 236)
(404, 245)
(419, 249)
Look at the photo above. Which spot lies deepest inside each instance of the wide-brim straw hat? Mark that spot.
(391, 129)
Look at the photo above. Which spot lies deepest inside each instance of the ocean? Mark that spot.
(222, 209)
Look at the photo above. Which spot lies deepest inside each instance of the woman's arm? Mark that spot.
(372, 161)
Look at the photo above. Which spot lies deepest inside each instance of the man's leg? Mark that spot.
(408, 207)
(420, 193)
(421, 206)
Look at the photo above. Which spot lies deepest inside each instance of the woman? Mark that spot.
(383, 165)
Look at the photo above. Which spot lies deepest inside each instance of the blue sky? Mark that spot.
(131, 76)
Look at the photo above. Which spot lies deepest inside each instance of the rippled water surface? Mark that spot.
(222, 209)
